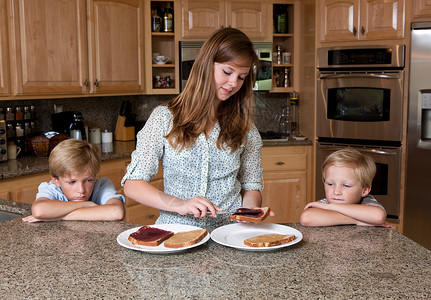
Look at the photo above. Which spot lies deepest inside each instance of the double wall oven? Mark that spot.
(359, 105)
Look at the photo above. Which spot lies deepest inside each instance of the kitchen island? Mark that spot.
(82, 260)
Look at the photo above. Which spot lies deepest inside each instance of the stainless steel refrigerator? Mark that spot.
(417, 210)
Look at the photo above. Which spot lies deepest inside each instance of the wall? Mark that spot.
(103, 111)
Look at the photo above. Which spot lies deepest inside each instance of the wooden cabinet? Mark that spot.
(164, 43)
(289, 42)
(49, 47)
(287, 181)
(4, 53)
(350, 20)
(116, 46)
(421, 10)
(201, 18)
(24, 188)
(66, 48)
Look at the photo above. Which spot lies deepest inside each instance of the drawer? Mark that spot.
(284, 158)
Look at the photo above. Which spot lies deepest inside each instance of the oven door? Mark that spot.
(386, 184)
(360, 105)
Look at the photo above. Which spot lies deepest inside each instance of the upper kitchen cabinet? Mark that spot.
(285, 40)
(350, 20)
(201, 18)
(162, 19)
(55, 52)
(4, 56)
(421, 10)
(48, 46)
(116, 46)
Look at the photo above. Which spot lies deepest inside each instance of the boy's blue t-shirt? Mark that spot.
(103, 191)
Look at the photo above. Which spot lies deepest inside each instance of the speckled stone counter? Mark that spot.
(82, 260)
(29, 165)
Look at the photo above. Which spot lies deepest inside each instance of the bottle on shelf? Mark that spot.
(156, 23)
(294, 114)
(278, 48)
(168, 19)
(282, 21)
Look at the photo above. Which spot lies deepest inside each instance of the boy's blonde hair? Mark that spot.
(74, 156)
(363, 165)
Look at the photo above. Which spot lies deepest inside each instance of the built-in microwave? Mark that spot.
(190, 49)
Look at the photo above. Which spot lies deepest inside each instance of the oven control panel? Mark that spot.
(3, 141)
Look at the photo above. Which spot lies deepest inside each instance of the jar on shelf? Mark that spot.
(19, 114)
(27, 113)
(157, 82)
(10, 116)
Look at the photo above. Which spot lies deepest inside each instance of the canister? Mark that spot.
(95, 136)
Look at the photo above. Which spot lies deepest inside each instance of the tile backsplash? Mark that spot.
(103, 111)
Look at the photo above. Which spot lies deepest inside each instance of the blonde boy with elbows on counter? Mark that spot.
(347, 176)
(74, 193)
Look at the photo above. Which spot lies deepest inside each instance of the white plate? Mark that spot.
(123, 239)
(233, 235)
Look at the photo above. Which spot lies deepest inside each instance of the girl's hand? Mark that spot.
(198, 206)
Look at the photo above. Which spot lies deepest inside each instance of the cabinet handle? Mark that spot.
(280, 163)
(354, 31)
(96, 83)
(362, 30)
(86, 83)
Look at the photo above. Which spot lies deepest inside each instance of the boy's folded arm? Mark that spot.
(319, 214)
(113, 210)
(322, 217)
(369, 214)
(47, 209)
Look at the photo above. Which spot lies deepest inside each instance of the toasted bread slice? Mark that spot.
(250, 214)
(268, 240)
(149, 236)
(186, 238)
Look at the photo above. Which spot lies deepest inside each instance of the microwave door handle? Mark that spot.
(367, 150)
(370, 75)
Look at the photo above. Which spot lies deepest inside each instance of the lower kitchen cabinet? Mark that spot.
(287, 181)
(23, 188)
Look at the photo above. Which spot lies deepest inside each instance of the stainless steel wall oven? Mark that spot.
(359, 105)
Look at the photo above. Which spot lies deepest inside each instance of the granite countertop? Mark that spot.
(29, 165)
(82, 260)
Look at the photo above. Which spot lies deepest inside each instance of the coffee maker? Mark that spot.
(70, 123)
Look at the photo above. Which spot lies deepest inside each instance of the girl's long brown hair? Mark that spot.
(193, 109)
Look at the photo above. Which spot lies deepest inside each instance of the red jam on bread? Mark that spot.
(250, 214)
(149, 236)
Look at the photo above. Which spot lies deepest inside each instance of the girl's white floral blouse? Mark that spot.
(202, 170)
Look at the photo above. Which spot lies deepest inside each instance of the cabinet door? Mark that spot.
(421, 10)
(4, 55)
(49, 48)
(116, 46)
(338, 20)
(285, 194)
(249, 17)
(201, 18)
(381, 19)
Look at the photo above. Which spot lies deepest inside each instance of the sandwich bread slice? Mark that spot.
(186, 238)
(149, 236)
(250, 214)
(268, 240)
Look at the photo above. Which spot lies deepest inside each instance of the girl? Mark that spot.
(205, 138)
